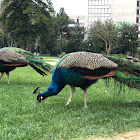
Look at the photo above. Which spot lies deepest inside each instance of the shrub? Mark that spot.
(62, 54)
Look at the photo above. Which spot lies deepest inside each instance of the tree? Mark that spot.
(1, 37)
(25, 20)
(105, 32)
(62, 30)
(96, 44)
(127, 39)
(76, 38)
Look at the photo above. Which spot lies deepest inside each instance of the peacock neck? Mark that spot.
(57, 84)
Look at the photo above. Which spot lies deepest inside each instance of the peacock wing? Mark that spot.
(89, 65)
(12, 58)
(36, 61)
(86, 60)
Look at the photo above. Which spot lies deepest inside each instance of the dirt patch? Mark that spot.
(133, 135)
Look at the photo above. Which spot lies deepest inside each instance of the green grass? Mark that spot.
(50, 59)
(21, 119)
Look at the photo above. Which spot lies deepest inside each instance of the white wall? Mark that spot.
(124, 11)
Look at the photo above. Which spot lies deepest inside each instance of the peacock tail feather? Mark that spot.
(129, 80)
(128, 72)
(126, 66)
(37, 61)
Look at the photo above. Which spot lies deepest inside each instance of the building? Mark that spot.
(120, 11)
(81, 20)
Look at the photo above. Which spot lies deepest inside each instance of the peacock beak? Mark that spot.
(37, 102)
(39, 99)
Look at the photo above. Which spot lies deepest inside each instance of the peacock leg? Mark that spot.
(85, 98)
(72, 92)
(8, 77)
(1, 75)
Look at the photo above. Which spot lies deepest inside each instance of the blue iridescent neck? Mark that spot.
(57, 84)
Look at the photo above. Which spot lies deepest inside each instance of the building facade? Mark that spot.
(77, 20)
(120, 11)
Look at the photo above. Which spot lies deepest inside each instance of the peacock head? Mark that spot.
(42, 96)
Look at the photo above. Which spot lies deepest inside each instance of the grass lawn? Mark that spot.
(108, 112)
(50, 59)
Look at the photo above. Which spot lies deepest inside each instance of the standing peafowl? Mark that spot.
(10, 58)
(81, 69)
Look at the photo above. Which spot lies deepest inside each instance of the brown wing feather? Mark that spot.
(12, 57)
(111, 73)
(86, 60)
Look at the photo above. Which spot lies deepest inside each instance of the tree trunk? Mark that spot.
(61, 46)
(40, 50)
(106, 47)
(23, 45)
(108, 52)
(109, 48)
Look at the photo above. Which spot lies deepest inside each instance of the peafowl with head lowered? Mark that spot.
(82, 69)
(10, 58)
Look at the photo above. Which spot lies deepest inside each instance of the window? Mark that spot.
(96, 11)
(109, 2)
(100, 2)
(137, 20)
(103, 2)
(90, 2)
(93, 11)
(138, 12)
(106, 2)
(106, 11)
(103, 11)
(99, 11)
(106, 18)
(96, 2)
(90, 19)
(138, 3)
(95, 19)
(90, 11)
(109, 11)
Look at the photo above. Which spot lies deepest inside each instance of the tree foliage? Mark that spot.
(26, 20)
(62, 30)
(1, 37)
(127, 39)
(105, 33)
(76, 38)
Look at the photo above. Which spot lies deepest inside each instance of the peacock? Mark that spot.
(82, 69)
(10, 58)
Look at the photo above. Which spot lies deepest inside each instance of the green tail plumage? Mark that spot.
(129, 80)
(128, 72)
(36, 61)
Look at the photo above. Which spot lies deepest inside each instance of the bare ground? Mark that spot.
(133, 135)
